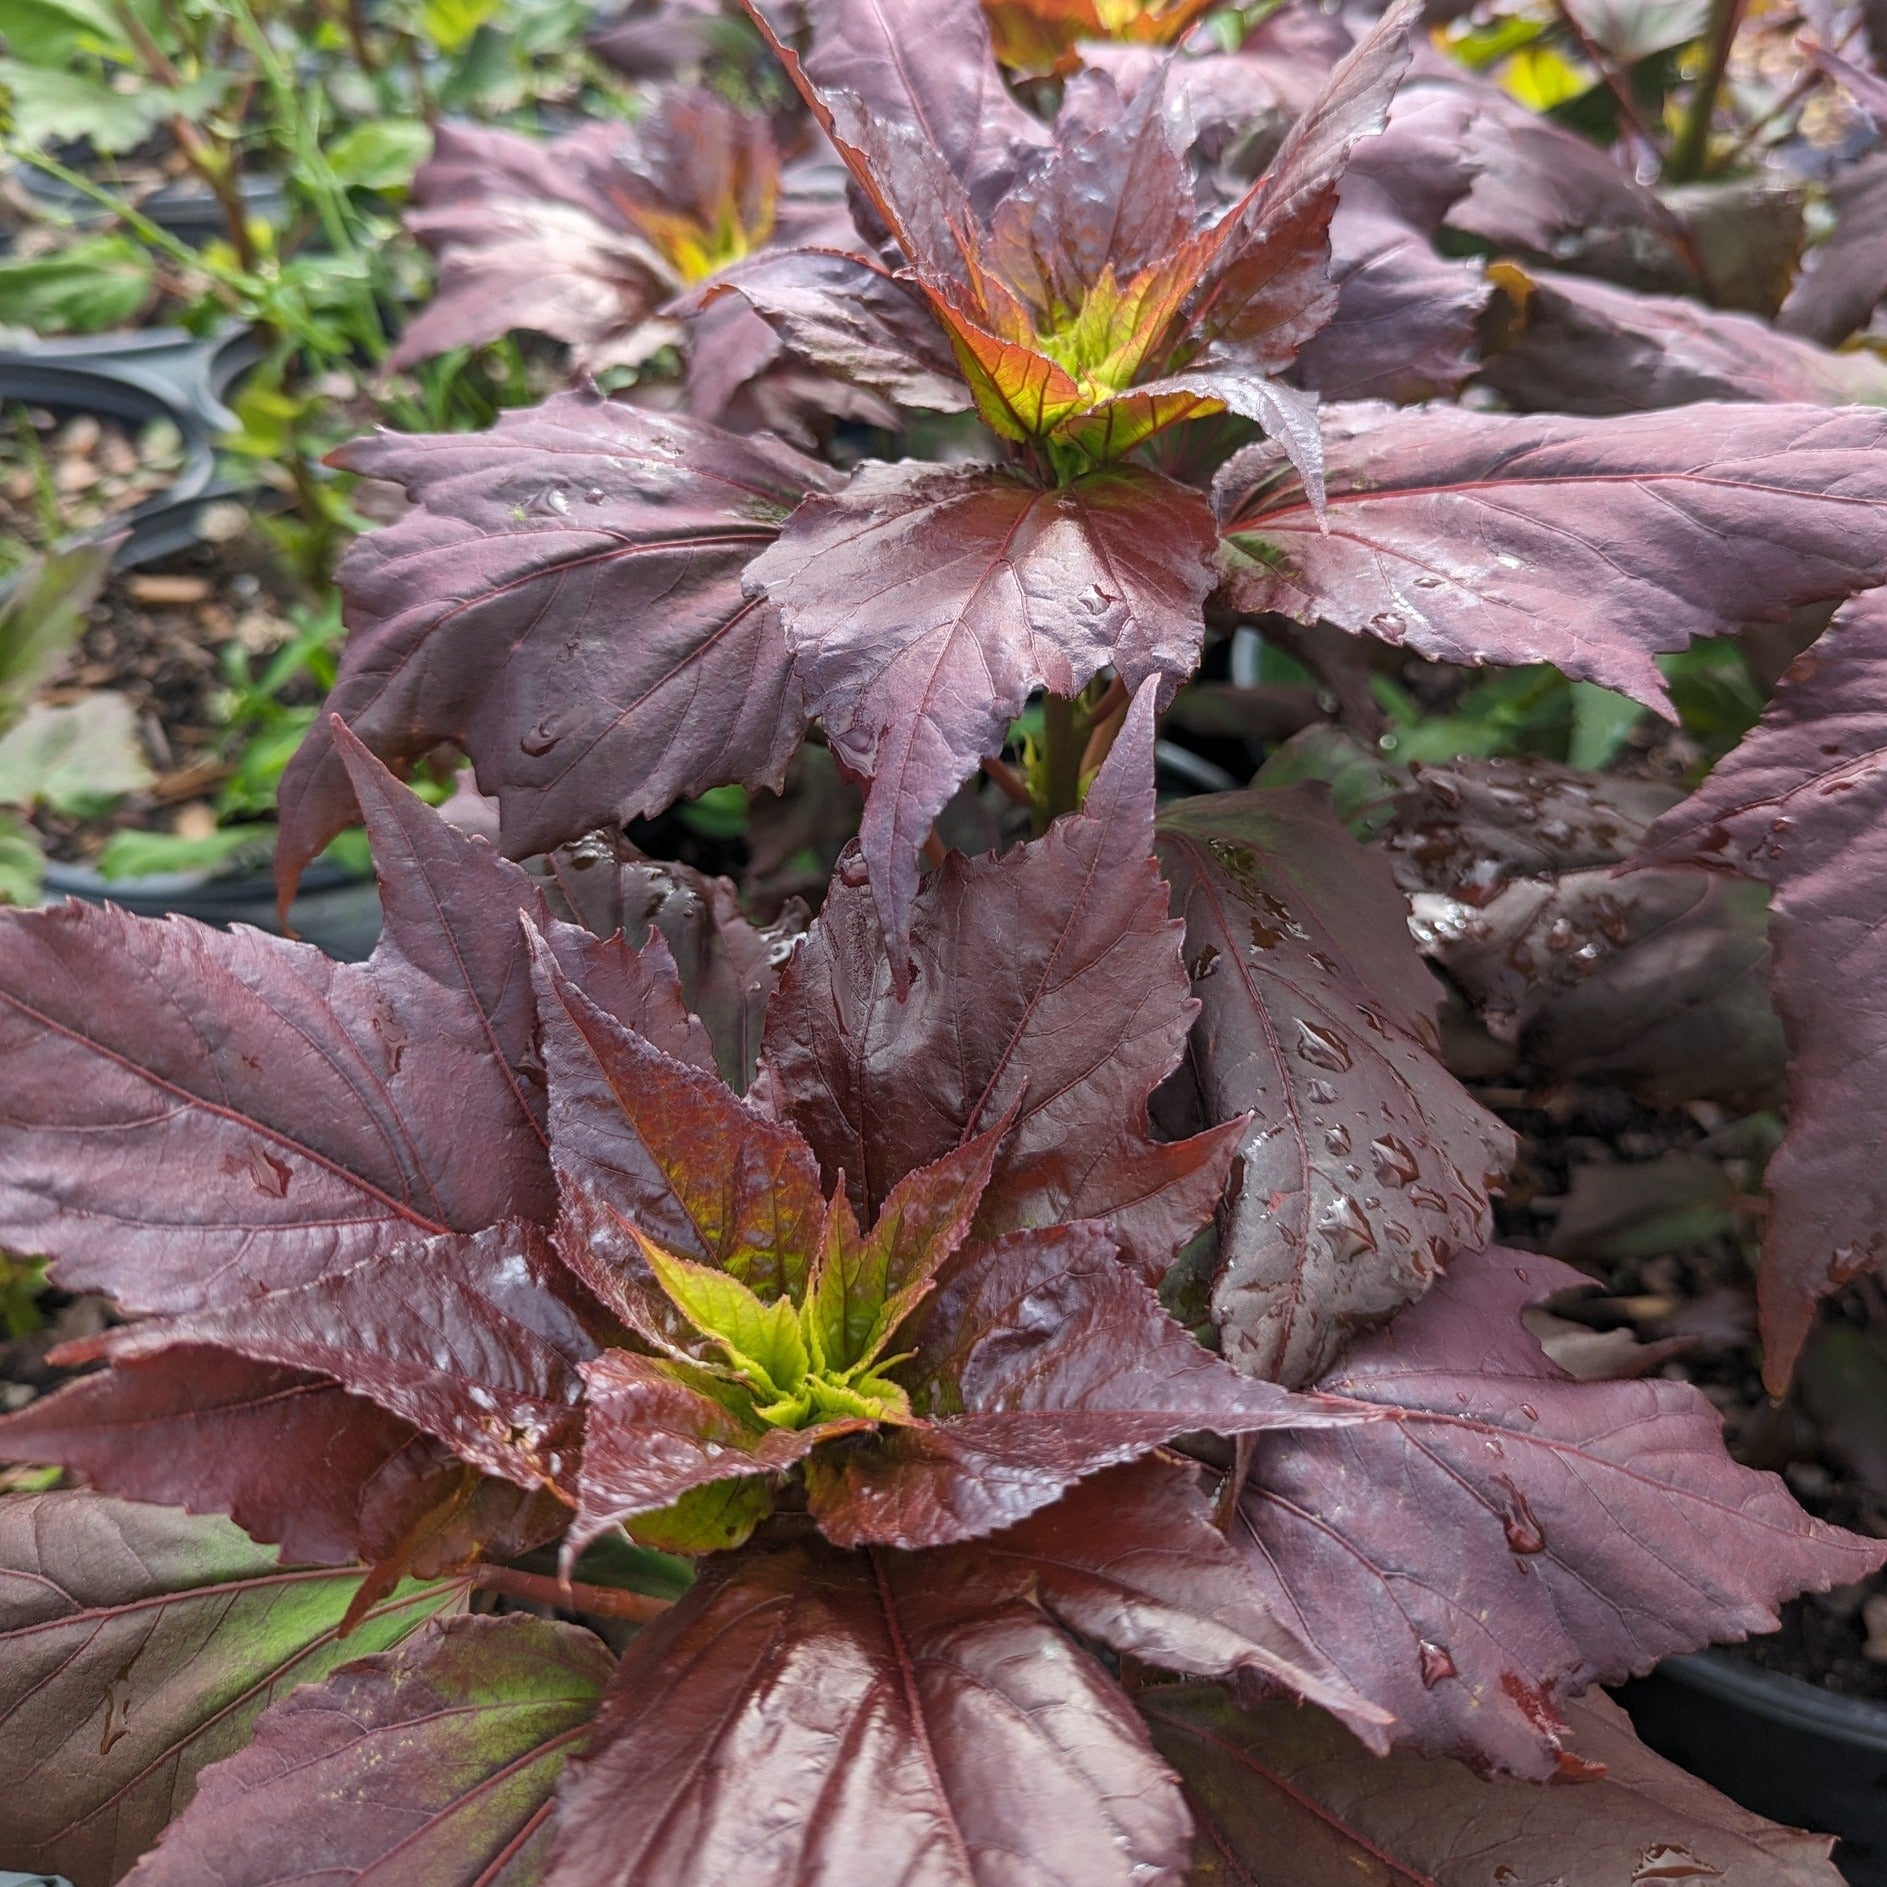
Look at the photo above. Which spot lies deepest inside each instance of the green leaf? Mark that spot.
(56, 107)
(130, 854)
(763, 1341)
(1601, 721)
(381, 154)
(450, 24)
(101, 282)
(22, 868)
(863, 1288)
(51, 32)
(41, 618)
(711, 1519)
(73, 758)
(138, 1644)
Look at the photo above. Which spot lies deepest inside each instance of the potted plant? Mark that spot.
(1048, 1403)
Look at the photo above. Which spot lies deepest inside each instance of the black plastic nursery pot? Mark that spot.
(159, 373)
(185, 208)
(1782, 1747)
(167, 373)
(335, 910)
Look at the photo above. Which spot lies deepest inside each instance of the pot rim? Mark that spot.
(1720, 1674)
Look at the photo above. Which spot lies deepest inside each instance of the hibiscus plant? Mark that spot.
(1009, 1379)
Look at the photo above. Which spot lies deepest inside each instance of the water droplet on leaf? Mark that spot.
(1395, 1164)
(1666, 1860)
(1321, 1048)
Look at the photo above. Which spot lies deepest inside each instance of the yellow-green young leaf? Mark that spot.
(711, 1519)
(762, 1341)
(863, 1288)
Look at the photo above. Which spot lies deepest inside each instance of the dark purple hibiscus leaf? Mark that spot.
(1799, 806)
(926, 64)
(476, 1340)
(1048, 980)
(641, 1140)
(138, 1645)
(584, 238)
(1284, 1795)
(289, 1455)
(1040, 1360)
(1844, 279)
(808, 1718)
(1085, 306)
(728, 965)
(1511, 1535)
(1540, 188)
(1365, 1167)
(1265, 286)
(564, 600)
(850, 314)
(1467, 827)
(1131, 1558)
(194, 1117)
(924, 603)
(436, 1762)
(1404, 324)
(1405, 318)
(1657, 978)
(1577, 346)
(1590, 543)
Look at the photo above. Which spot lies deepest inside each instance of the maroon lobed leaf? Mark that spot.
(1799, 806)
(841, 1720)
(140, 1645)
(1584, 347)
(1131, 1558)
(852, 315)
(290, 1456)
(583, 238)
(1283, 1797)
(529, 235)
(197, 1116)
(563, 599)
(927, 65)
(924, 603)
(1844, 279)
(639, 1139)
(728, 965)
(1592, 544)
(1510, 1535)
(1047, 980)
(1657, 978)
(1365, 1167)
(475, 1340)
(1040, 1360)
(433, 1763)
(1265, 285)
(1541, 188)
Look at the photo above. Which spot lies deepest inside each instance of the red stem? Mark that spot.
(542, 1589)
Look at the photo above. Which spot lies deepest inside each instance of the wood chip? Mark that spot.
(166, 589)
(189, 782)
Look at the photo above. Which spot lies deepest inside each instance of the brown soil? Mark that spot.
(158, 635)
